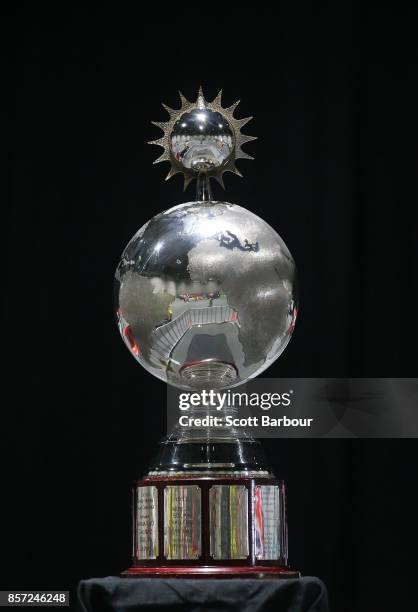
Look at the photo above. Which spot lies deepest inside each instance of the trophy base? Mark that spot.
(207, 526)
(219, 571)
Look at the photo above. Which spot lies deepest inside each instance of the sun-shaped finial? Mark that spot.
(202, 137)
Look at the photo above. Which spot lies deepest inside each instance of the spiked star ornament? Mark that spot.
(202, 138)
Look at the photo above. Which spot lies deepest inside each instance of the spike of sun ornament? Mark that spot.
(202, 138)
(206, 300)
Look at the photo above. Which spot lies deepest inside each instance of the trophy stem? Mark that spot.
(203, 190)
(207, 445)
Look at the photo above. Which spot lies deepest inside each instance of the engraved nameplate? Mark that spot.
(228, 511)
(267, 522)
(146, 523)
(182, 528)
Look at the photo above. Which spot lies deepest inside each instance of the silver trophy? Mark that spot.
(206, 300)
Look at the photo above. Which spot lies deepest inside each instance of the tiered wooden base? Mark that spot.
(205, 527)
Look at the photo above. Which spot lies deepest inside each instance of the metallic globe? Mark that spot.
(202, 140)
(205, 295)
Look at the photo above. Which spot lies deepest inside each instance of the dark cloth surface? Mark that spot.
(245, 595)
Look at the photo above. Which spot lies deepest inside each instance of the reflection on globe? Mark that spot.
(206, 295)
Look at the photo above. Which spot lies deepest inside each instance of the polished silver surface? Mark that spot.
(202, 137)
(206, 295)
(146, 523)
(267, 522)
(211, 472)
(182, 522)
(202, 140)
(228, 516)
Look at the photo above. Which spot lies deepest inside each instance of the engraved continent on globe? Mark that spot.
(206, 295)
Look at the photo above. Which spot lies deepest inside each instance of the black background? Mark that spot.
(333, 94)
